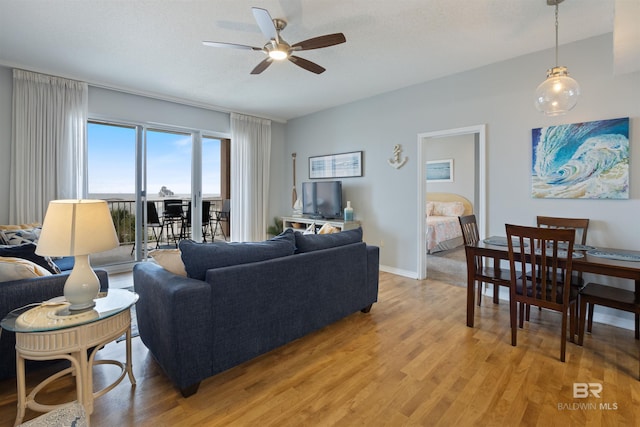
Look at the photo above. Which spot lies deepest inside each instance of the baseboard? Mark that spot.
(399, 272)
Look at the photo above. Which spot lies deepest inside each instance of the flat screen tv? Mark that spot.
(322, 199)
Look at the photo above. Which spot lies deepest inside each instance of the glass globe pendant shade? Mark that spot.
(558, 93)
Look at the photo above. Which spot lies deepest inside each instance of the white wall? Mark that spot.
(501, 96)
(461, 149)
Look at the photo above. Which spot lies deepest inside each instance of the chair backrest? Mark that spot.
(172, 207)
(206, 211)
(152, 214)
(548, 253)
(579, 224)
(469, 228)
(226, 209)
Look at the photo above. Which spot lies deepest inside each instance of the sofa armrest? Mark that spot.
(174, 321)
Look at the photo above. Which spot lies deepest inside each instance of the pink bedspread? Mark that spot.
(440, 229)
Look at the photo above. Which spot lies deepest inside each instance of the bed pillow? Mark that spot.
(200, 257)
(28, 251)
(315, 242)
(430, 208)
(448, 209)
(12, 268)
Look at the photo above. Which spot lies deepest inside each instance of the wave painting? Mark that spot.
(581, 161)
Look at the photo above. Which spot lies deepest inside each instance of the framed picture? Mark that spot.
(342, 165)
(440, 170)
(588, 160)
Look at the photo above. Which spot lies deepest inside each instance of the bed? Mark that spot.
(443, 227)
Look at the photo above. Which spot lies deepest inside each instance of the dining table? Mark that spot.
(587, 260)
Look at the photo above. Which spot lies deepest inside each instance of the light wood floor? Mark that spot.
(411, 361)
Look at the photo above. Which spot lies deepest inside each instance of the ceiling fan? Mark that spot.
(277, 49)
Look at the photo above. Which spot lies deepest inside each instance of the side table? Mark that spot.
(50, 331)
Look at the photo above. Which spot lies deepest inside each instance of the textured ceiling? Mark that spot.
(154, 47)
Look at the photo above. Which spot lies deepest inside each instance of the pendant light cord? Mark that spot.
(556, 34)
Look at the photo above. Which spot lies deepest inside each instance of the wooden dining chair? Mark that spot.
(581, 225)
(483, 274)
(548, 252)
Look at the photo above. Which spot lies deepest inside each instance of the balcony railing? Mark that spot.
(123, 213)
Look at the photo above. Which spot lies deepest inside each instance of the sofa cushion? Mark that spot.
(315, 242)
(200, 257)
(28, 251)
(12, 268)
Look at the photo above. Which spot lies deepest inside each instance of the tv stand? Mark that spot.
(301, 223)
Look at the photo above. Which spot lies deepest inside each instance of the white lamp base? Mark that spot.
(82, 285)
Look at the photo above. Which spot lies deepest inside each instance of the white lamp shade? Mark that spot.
(558, 93)
(77, 227)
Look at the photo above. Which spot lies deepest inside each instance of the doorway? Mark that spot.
(424, 139)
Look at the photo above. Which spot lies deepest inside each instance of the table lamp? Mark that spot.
(78, 228)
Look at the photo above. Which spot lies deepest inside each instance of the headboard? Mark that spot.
(451, 197)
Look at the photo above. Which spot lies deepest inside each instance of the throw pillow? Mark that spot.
(328, 229)
(28, 251)
(12, 268)
(315, 242)
(20, 226)
(200, 257)
(170, 260)
(18, 237)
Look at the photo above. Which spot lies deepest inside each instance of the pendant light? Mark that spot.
(558, 93)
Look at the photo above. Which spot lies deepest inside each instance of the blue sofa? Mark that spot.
(19, 293)
(250, 301)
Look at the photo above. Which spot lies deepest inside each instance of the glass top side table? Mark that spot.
(49, 331)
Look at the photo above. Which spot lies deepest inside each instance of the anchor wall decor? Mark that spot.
(395, 160)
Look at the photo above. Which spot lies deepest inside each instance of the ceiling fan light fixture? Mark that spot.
(278, 55)
(277, 51)
(558, 93)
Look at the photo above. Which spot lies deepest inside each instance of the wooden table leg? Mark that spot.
(471, 268)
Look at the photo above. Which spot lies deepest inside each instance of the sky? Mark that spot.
(111, 158)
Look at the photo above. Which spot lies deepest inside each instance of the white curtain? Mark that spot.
(250, 162)
(48, 143)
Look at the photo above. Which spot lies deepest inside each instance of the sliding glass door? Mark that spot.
(152, 178)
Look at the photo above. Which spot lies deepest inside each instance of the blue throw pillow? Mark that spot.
(200, 257)
(28, 251)
(315, 242)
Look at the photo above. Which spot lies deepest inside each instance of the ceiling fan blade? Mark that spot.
(263, 18)
(262, 66)
(319, 42)
(306, 64)
(230, 45)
